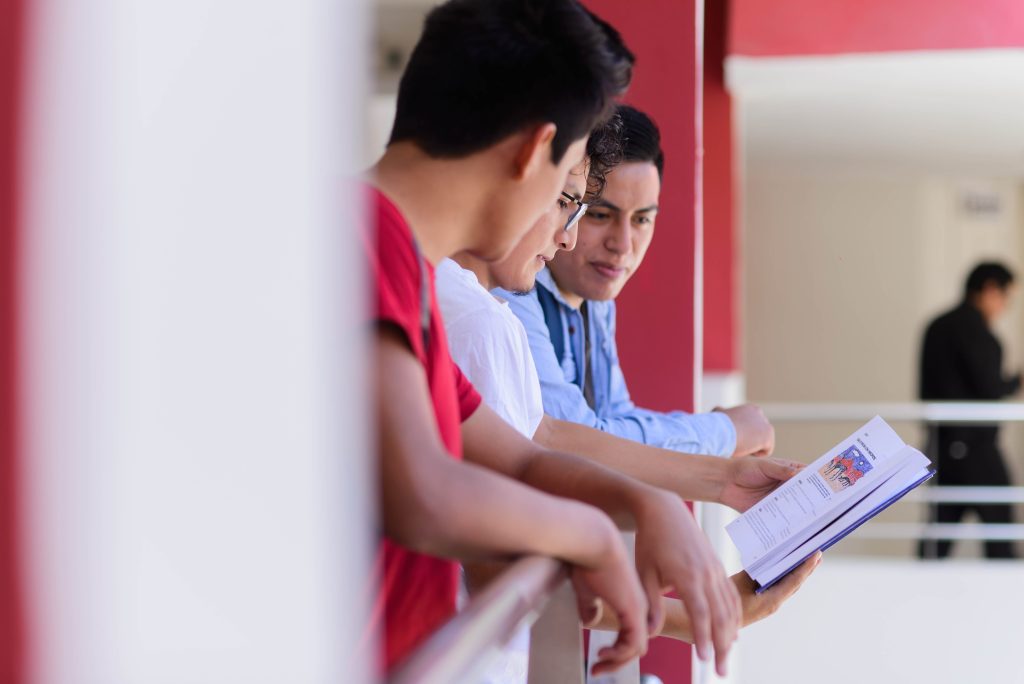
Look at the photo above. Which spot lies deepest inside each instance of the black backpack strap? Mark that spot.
(553, 319)
(424, 298)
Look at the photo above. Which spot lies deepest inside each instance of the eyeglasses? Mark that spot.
(577, 214)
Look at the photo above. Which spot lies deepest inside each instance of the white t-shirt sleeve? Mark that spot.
(485, 348)
(489, 345)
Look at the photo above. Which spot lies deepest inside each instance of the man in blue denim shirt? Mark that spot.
(570, 318)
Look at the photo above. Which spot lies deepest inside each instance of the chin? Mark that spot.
(603, 293)
(523, 286)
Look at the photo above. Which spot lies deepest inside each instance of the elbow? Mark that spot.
(546, 432)
(415, 519)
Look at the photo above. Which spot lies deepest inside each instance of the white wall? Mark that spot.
(892, 623)
(197, 469)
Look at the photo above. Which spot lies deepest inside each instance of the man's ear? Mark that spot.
(534, 150)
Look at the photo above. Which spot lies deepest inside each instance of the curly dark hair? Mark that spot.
(641, 139)
(604, 152)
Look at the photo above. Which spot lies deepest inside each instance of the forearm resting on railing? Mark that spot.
(436, 505)
(756, 607)
(693, 477)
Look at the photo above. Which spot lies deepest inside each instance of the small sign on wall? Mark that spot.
(981, 203)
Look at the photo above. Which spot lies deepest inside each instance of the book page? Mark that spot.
(845, 472)
(914, 469)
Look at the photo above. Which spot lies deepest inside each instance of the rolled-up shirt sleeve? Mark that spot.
(711, 433)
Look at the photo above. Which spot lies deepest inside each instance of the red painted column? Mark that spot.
(811, 27)
(721, 248)
(656, 311)
(11, 628)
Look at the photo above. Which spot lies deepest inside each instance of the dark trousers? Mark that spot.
(968, 457)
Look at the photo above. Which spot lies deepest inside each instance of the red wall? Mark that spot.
(11, 634)
(721, 267)
(656, 309)
(820, 27)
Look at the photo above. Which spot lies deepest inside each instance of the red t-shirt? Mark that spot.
(417, 592)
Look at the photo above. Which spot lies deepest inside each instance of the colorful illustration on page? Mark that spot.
(845, 469)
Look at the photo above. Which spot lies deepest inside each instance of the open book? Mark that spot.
(824, 502)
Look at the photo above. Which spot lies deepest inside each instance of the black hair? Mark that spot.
(641, 139)
(985, 274)
(604, 152)
(484, 69)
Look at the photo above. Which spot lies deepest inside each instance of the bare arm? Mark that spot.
(437, 505)
(672, 552)
(490, 442)
(737, 482)
(756, 607)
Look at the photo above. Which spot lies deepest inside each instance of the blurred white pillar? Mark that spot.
(720, 389)
(197, 470)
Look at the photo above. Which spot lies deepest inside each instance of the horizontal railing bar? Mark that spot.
(979, 531)
(932, 412)
(939, 494)
(462, 647)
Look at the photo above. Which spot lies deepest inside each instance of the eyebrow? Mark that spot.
(608, 205)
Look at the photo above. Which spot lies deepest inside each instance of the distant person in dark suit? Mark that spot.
(961, 360)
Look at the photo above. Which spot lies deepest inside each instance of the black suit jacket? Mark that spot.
(962, 360)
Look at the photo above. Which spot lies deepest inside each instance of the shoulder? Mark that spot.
(487, 343)
(474, 320)
(390, 245)
(400, 280)
(525, 305)
(950, 321)
(461, 297)
(484, 327)
(391, 231)
(602, 310)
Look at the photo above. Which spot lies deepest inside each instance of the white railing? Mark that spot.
(914, 605)
(967, 495)
(462, 648)
(926, 411)
(931, 413)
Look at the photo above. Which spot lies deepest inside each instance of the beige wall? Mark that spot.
(824, 259)
(842, 273)
(843, 270)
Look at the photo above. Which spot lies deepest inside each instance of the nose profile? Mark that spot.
(617, 240)
(566, 239)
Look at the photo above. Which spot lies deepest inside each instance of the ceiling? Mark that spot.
(949, 112)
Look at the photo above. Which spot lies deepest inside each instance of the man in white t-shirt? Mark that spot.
(489, 344)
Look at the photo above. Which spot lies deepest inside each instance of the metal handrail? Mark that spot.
(935, 530)
(962, 494)
(462, 647)
(972, 531)
(926, 411)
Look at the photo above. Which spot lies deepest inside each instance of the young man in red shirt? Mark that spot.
(493, 111)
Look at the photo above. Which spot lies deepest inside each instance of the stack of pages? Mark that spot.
(824, 502)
